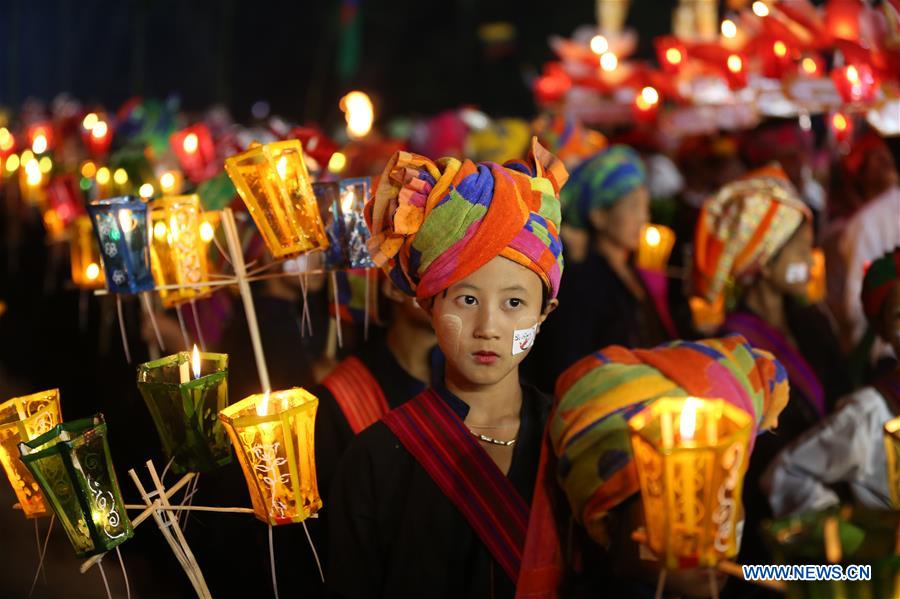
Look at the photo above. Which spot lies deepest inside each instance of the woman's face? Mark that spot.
(486, 323)
(789, 270)
(623, 222)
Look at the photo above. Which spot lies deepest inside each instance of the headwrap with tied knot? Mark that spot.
(600, 182)
(435, 223)
(742, 227)
(881, 277)
(601, 392)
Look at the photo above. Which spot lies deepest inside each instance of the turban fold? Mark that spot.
(567, 138)
(600, 393)
(742, 227)
(600, 182)
(881, 277)
(435, 223)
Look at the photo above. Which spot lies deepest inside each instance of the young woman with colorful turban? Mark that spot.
(753, 252)
(588, 456)
(846, 447)
(433, 499)
(604, 299)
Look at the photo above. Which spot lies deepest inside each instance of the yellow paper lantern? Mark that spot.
(177, 251)
(707, 316)
(87, 272)
(691, 456)
(892, 450)
(655, 248)
(272, 434)
(815, 289)
(275, 185)
(23, 419)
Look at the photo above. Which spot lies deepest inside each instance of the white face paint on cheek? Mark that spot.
(796, 273)
(524, 335)
(450, 331)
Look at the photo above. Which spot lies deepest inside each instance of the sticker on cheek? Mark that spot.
(523, 339)
(797, 272)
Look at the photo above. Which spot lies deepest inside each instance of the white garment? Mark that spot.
(869, 234)
(846, 447)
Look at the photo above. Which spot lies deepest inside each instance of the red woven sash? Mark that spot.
(436, 437)
(357, 393)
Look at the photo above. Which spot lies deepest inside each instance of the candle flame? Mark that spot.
(191, 143)
(688, 424)
(735, 64)
(195, 362)
(348, 201)
(39, 145)
(262, 408)
(206, 231)
(673, 55)
(852, 75)
(609, 62)
(92, 271)
(652, 237)
(126, 219)
(359, 113)
(99, 130)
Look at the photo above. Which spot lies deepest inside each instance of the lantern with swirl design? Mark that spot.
(177, 252)
(121, 225)
(73, 466)
(23, 419)
(691, 455)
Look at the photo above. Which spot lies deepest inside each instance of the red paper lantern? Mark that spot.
(646, 104)
(842, 18)
(196, 152)
(40, 137)
(670, 53)
(7, 143)
(552, 85)
(842, 126)
(736, 70)
(96, 132)
(855, 82)
(64, 198)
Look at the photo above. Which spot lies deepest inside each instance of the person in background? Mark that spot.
(846, 447)
(603, 297)
(433, 499)
(588, 457)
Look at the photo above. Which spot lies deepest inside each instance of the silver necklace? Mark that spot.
(492, 440)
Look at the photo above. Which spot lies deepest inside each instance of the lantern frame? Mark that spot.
(275, 185)
(84, 251)
(73, 466)
(691, 487)
(23, 419)
(178, 256)
(186, 413)
(125, 253)
(280, 439)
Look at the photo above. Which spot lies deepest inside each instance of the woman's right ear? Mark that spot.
(598, 218)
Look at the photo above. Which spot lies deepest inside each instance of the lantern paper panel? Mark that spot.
(122, 228)
(892, 451)
(655, 247)
(177, 250)
(328, 201)
(691, 455)
(184, 402)
(74, 469)
(273, 182)
(87, 270)
(23, 419)
(273, 435)
(64, 205)
(354, 193)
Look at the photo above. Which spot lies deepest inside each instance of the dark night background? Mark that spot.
(415, 57)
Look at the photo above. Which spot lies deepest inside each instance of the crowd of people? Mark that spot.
(473, 441)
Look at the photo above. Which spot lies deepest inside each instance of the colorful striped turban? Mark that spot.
(601, 392)
(435, 223)
(742, 227)
(600, 182)
(881, 277)
(567, 138)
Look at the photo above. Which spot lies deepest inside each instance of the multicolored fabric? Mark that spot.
(600, 393)
(440, 442)
(742, 227)
(358, 394)
(435, 223)
(881, 277)
(567, 138)
(600, 182)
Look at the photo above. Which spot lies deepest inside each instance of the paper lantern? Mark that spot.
(691, 455)
(670, 53)
(892, 449)
(72, 464)
(855, 83)
(842, 18)
(23, 419)
(273, 434)
(41, 137)
(196, 152)
(96, 132)
(185, 394)
(177, 251)
(121, 226)
(87, 272)
(656, 247)
(354, 194)
(64, 204)
(273, 182)
(7, 143)
(815, 289)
